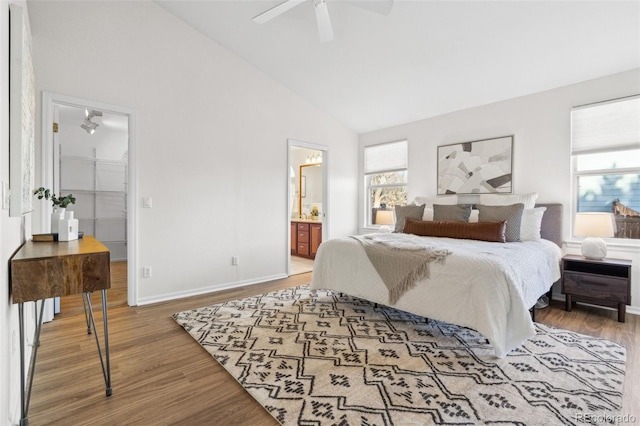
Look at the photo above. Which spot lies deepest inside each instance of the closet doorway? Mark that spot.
(88, 154)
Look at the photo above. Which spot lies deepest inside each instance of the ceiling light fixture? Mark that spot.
(313, 159)
(88, 125)
(92, 113)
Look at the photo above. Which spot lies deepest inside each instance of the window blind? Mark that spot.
(385, 157)
(606, 126)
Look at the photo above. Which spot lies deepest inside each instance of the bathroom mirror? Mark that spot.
(310, 188)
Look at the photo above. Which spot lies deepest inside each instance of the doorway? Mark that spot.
(308, 203)
(89, 152)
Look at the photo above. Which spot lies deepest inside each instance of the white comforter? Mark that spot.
(488, 287)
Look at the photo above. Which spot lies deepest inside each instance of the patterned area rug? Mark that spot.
(338, 360)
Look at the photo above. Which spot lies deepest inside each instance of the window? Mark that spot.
(605, 148)
(385, 175)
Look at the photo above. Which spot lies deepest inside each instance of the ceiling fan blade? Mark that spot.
(383, 7)
(324, 22)
(276, 11)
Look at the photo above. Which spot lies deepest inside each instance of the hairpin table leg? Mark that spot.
(86, 316)
(106, 370)
(25, 395)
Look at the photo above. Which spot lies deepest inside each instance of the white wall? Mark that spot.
(212, 140)
(541, 163)
(12, 233)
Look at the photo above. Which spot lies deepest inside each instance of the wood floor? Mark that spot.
(300, 265)
(161, 376)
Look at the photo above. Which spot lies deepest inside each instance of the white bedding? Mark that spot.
(486, 286)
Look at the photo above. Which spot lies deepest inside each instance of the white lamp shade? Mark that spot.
(594, 224)
(384, 217)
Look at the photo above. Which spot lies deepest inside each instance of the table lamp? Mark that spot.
(594, 226)
(384, 218)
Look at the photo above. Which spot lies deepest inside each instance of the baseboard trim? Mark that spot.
(206, 290)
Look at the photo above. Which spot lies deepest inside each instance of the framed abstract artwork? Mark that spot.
(22, 107)
(476, 167)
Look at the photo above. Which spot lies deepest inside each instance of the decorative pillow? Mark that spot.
(529, 200)
(473, 218)
(428, 202)
(485, 231)
(428, 213)
(531, 223)
(512, 214)
(404, 212)
(456, 213)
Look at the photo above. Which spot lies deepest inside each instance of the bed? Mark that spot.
(487, 286)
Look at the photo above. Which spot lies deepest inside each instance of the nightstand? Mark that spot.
(604, 282)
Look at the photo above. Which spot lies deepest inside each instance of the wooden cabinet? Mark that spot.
(315, 235)
(604, 282)
(305, 238)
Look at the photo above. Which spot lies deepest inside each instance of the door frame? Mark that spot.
(47, 169)
(325, 191)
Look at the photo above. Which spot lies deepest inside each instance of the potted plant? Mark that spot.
(315, 213)
(59, 204)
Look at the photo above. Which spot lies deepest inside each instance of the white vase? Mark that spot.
(58, 213)
(67, 227)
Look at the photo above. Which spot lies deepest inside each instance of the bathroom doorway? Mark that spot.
(308, 204)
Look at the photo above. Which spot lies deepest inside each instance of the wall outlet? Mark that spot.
(235, 260)
(147, 202)
(146, 272)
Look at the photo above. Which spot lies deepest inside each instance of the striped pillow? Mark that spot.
(487, 231)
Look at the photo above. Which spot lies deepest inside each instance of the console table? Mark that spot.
(42, 270)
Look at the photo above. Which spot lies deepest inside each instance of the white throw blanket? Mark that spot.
(486, 286)
(400, 264)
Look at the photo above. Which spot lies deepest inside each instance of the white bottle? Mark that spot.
(56, 216)
(68, 227)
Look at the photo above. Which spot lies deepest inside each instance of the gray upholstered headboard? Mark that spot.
(551, 228)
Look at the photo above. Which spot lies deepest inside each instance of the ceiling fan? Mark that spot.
(323, 20)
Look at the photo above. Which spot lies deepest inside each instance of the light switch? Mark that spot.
(147, 202)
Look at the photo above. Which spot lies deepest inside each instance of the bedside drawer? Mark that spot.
(596, 286)
(303, 227)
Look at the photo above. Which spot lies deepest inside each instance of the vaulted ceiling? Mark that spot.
(425, 58)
